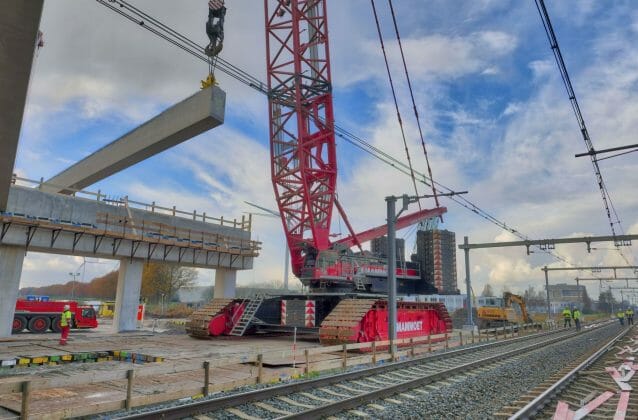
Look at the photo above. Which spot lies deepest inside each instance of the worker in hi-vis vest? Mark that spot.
(576, 315)
(567, 317)
(65, 324)
(629, 315)
(621, 316)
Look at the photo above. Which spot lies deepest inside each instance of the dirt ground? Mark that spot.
(163, 340)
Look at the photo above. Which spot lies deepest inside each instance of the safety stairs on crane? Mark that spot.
(252, 306)
(359, 283)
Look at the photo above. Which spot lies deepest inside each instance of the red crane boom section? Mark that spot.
(302, 140)
(401, 223)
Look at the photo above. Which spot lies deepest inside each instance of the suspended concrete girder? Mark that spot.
(19, 22)
(184, 120)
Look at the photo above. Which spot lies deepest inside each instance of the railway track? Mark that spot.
(598, 387)
(347, 392)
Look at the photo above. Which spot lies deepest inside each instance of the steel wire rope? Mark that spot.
(553, 41)
(396, 103)
(358, 142)
(182, 42)
(416, 112)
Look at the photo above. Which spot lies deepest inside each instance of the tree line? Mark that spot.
(158, 281)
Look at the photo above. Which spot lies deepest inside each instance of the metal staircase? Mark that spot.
(358, 283)
(247, 316)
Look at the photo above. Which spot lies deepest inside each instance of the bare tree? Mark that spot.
(164, 279)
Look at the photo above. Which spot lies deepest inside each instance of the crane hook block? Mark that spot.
(215, 27)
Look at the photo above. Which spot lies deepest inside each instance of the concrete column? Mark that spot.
(127, 298)
(19, 22)
(11, 258)
(225, 283)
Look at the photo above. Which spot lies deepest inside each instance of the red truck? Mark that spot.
(41, 316)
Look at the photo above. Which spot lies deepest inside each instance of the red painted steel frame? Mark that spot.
(302, 139)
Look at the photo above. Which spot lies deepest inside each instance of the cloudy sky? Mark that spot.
(496, 118)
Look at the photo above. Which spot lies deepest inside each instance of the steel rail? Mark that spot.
(356, 401)
(541, 401)
(178, 412)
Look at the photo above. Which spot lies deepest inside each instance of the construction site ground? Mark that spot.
(159, 345)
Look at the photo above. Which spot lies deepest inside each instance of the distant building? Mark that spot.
(379, 246)
(436, 254)
(452, 302)
(561, 295)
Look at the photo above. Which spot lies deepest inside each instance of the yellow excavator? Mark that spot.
(497, 312)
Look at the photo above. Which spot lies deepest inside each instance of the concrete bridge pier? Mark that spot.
(11, 259)
(127, 296)
(225, 283)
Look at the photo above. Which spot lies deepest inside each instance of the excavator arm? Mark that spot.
(510, 298)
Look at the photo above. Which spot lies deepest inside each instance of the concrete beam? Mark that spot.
(225, 283)
(127, 296)
(187, 119)
(19, 22)
(11, 258)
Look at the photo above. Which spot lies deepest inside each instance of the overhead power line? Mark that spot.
(604, 192)
(553, 42)
(416, 112)
(162, 30)
(396, 102)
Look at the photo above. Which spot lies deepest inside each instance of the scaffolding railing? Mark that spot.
(244, 224)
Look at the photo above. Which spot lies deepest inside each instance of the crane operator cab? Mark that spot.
(215, 27)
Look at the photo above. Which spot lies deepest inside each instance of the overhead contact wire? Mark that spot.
(416, 112)
(396, 103)
(606, 197)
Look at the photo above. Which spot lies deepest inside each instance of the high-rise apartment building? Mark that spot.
(436, 254)
(379, 246)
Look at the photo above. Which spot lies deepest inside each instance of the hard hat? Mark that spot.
(67, 307)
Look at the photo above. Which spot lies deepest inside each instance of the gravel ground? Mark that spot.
(261, 413)
(479, 396)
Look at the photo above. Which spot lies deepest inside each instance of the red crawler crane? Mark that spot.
(302, 137)
(344, 301)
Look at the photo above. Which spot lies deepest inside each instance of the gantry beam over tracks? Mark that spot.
(611, 267)
(601, 279)
(544, 244)
(578, 279)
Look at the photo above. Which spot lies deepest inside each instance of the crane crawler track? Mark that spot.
(197, 325)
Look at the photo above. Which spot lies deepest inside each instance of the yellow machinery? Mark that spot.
(496, 312)
(106, 309)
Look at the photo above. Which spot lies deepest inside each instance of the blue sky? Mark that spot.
(496, 118)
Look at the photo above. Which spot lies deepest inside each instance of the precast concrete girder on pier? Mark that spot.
(19, 22)
(11, 258)
(127, 296)
(54, 223)
(184, 120)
